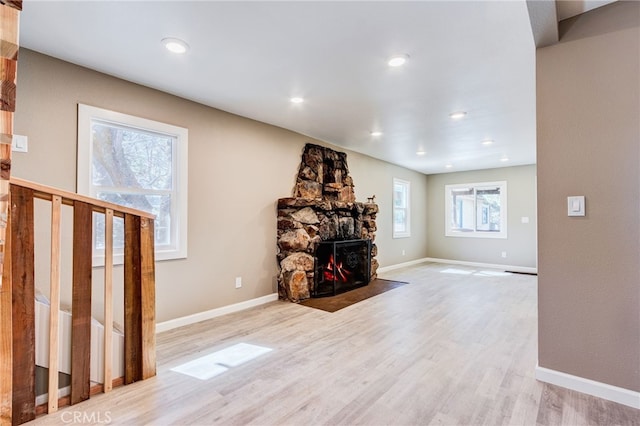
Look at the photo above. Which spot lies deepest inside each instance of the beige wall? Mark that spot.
(588, 91)
(520, 243)
(373, 177)
(238, 168)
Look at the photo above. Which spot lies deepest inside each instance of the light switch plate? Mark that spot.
(19, 143)
(575, 205)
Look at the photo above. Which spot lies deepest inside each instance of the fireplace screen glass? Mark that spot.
(341, 266)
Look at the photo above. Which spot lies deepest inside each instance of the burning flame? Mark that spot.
(341, 273)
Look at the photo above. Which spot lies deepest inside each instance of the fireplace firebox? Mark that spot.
(340, 266)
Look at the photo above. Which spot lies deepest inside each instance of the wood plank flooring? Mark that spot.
(456, 346)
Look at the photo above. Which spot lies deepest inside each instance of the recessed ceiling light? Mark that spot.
(420, 152)
(297, 100)
(503, 159)
(175, 45)
(398, 60)
(487, 142)
(457, 115)
(376, 133)
(448, 166)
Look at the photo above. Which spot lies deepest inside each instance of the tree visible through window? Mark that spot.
(135, 163)
(476, 210)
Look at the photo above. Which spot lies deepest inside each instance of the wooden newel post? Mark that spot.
(9, 30)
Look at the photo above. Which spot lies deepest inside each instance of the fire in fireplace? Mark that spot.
(341, 266)
(336, 271)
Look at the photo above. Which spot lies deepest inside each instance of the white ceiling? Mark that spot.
(249, 58)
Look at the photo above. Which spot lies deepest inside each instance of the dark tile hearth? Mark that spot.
(335, 303)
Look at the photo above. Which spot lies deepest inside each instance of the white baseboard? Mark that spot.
(525, 269)
(590, 387)
(213, 313)
(44, 398)
(401, 265)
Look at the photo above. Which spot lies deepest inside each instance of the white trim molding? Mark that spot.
(401, 204)
(401, 265)
(213, 313)
(44, 398)
(590, 387)
(176, 191)
(473, 223)
(511, 268)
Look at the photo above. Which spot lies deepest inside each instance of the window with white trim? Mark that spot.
(477, 210)
(137, 163)
(401, 208)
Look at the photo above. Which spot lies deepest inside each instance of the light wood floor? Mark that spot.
(451, 348)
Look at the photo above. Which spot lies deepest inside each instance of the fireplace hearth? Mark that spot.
(341, 266)
(323, 216)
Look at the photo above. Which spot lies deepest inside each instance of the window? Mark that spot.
(476, 210)
(401, 212)
(137, 163)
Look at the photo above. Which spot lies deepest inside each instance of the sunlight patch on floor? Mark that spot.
(457, 271)
(492, 274)
(216, 363)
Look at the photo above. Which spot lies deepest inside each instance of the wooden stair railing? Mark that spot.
(17, 306)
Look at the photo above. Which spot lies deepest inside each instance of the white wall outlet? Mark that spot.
(19, 143)
(403, 253)
(524, 219)
(238, 282)
(504, 254)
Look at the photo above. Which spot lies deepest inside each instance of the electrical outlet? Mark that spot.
(504, 254)
(238, 282)
(403, 252)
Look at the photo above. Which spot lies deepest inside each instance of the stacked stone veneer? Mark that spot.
(323, 209)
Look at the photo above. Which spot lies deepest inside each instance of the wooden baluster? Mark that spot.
(54, 306)
(81, 303)
(6, 336)
(132, 296)
(23, 290)
(139, 299)
(148, 284)
(108, 299)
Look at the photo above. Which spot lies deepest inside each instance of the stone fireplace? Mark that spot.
(323, 210)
